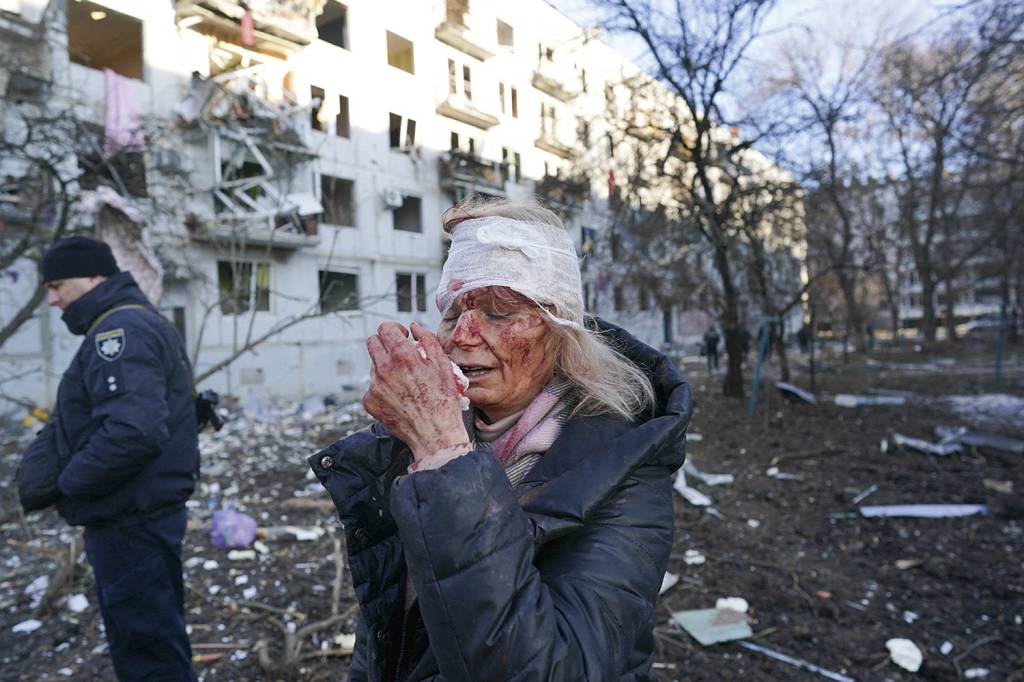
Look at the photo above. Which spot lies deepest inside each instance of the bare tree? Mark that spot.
(697, 50)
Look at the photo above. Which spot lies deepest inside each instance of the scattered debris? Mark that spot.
(232, 529)
(945, 648)
(26, 626)
(78, 603)
(907, 564)
(905, 654)
(711, 626)
(1004, 487)
(691, 495)
(707, 479)
(990, 410)
(864, 494)
(693, 557)
(796, 662)
(667, 582)
(941, 449)
(753, 523)
(976, 673)
(795, 391)
(773, 472)
(242, 555)
(924, 511)
(847, 400)
(694, 437)
(980, 439)
(735, 603)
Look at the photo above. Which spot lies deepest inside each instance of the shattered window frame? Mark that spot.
(409, 216)
(316, 92)
(403, 291)
(339, 291)
(243, 286)
(337, 196)
(332, 25)
(343, 121)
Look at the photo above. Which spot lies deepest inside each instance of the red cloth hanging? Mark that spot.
(248, 29)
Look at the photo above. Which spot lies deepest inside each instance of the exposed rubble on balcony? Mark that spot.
(278, 25)
(463, 174)
(258, 138)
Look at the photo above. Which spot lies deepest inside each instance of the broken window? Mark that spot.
(453, 143)
(396, 126)
(616, 246)
(407, 216)
(588, 240)
(337, 197)
(243, 286)
(411, 287)
(317, 97)
(452, 83)
(501, 96)
(467, 83)
(125, 170)
(505, 34)
(456, 11)
(332, 24)
(342, 127)
(400, 54)
(338, 291)
(515, 103)
(101, 38)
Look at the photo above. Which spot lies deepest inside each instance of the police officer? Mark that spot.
(125, 425)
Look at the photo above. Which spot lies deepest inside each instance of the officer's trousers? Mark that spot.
(139, 584)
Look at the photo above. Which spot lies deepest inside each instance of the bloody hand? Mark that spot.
(415, 398)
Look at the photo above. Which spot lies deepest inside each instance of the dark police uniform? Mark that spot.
(125, 424)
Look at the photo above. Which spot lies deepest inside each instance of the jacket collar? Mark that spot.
(603, 450)
(118, 289)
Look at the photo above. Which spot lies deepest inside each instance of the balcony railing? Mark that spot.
(462, 172)
(462, 109)
(549, 142)
(557, 80)
(287, 24)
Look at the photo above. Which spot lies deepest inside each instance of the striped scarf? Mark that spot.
(523, 443)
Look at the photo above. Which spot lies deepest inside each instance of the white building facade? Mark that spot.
(320, 142)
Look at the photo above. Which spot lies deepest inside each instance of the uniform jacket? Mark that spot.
(554, 580)
(125, 420)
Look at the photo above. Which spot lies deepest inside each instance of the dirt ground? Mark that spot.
(824, 585)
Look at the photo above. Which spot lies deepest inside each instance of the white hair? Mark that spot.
(604, 380)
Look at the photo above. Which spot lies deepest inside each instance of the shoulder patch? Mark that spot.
(110, 345)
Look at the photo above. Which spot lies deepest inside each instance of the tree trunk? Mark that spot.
(950, 311)
(854, 322)
(732, 386)
(928, 317)
(780, 353)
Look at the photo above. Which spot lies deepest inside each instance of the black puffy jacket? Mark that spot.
(554, 580)
(126, 418)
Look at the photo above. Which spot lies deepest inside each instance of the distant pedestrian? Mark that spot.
(803, 338)
(124, 439)
(711, 339)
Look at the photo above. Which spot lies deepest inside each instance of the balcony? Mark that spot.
(461, 109)
(563, 192)
(280, 25)
(464, 39)
(550, 143)
(464, 174)
(557, 80)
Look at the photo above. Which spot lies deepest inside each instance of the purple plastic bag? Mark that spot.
(232, 529)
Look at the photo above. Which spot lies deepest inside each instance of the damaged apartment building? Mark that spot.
(275, 171)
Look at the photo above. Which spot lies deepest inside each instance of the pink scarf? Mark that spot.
(538, 427)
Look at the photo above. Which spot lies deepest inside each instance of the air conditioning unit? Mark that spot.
(393, 198)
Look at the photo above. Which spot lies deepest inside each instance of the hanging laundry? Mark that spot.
(122, 130)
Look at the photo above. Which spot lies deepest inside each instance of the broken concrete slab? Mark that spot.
(712, 626)
(905, 654)
(708, 479)
(941, 449)
(924, 511)
(797, 392)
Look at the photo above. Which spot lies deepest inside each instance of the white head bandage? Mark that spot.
(535, 260)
